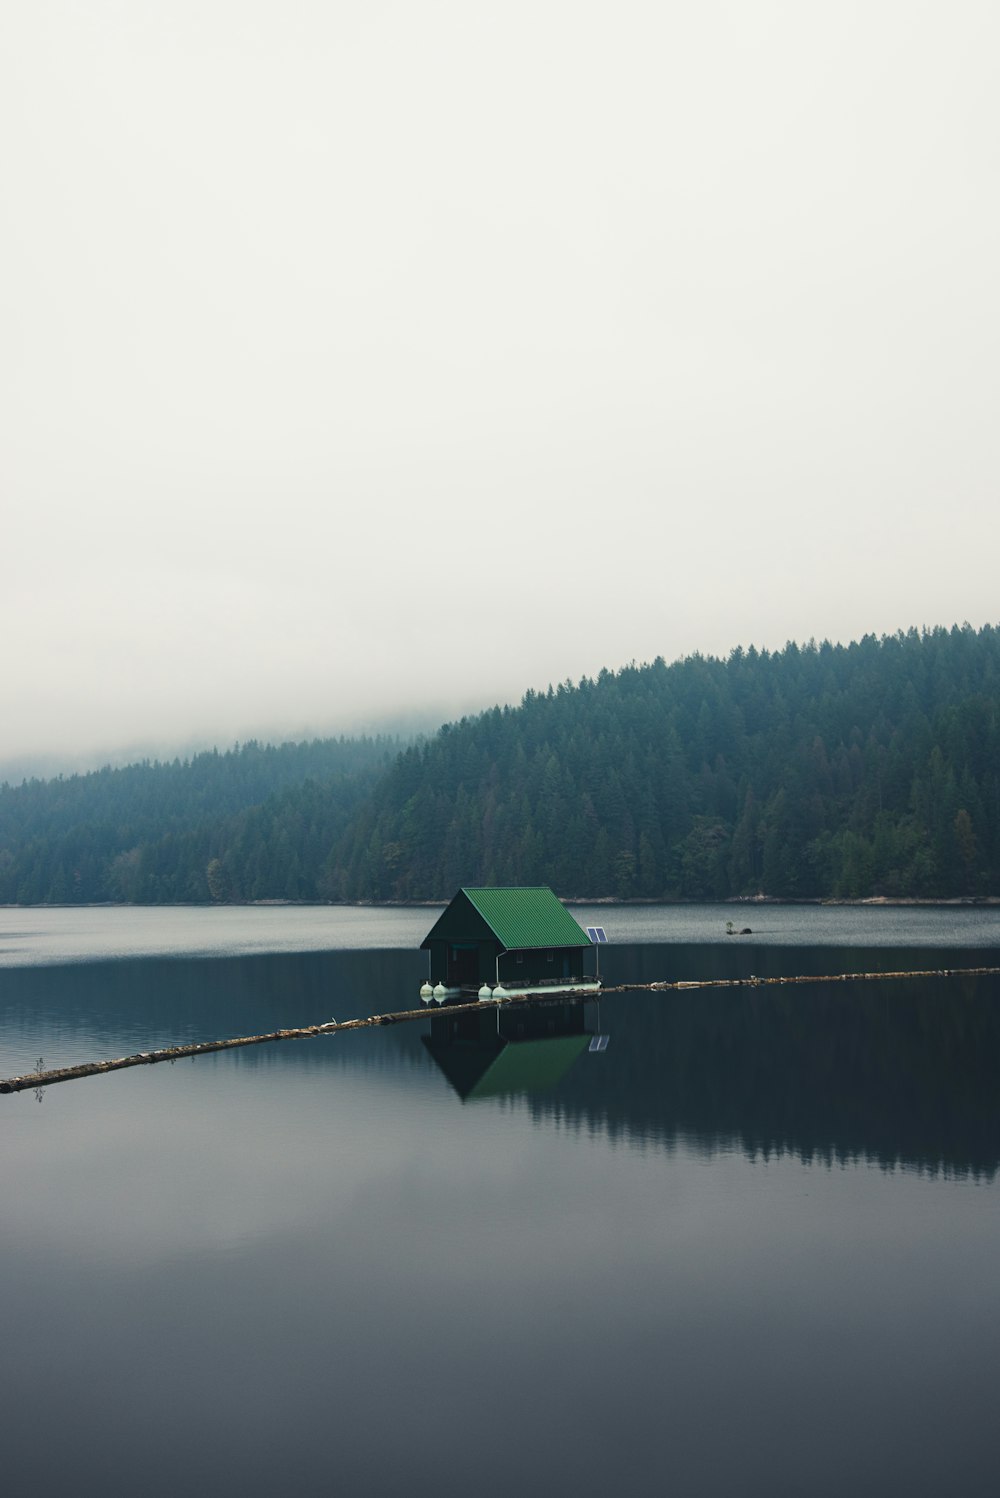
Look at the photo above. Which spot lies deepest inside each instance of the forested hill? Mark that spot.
(872, 768)
(171, 832)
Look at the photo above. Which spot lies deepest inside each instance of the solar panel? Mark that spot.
(599, 1042)
(596, 933)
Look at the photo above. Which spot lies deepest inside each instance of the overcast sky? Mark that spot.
(360, 358)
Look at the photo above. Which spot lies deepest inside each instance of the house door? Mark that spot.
(463, 965)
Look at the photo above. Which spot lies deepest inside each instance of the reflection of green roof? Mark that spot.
(527, 918)
(530, 1065)
(519, 1066)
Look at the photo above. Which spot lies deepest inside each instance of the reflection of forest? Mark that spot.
(901, 1072)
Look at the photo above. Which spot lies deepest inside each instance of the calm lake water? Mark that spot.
(747, 1248)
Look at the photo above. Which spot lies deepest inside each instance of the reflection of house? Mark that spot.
(527, 1049)
(522, 940)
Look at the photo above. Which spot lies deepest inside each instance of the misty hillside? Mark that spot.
(153, 833)
(821, 770)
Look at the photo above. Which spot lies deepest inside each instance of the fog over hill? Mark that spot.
(418, 354)
(402, 725)
(820, 770)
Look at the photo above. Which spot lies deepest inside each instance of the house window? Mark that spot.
(550, 956)
(519, 957)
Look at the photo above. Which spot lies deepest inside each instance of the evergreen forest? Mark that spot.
(817, 771)
(254, 823)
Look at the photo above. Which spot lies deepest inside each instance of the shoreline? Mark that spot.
(741, 902)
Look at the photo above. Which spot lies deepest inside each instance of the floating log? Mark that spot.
(41, 1078)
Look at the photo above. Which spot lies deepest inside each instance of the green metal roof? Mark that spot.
(521, 918)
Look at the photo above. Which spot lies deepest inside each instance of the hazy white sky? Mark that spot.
(358, 357)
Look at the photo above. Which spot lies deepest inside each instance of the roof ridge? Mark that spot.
(507, 910)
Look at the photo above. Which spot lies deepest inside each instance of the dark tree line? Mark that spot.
(818, 770)
(823, 770)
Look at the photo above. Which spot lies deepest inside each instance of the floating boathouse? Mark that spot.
(517, 941)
